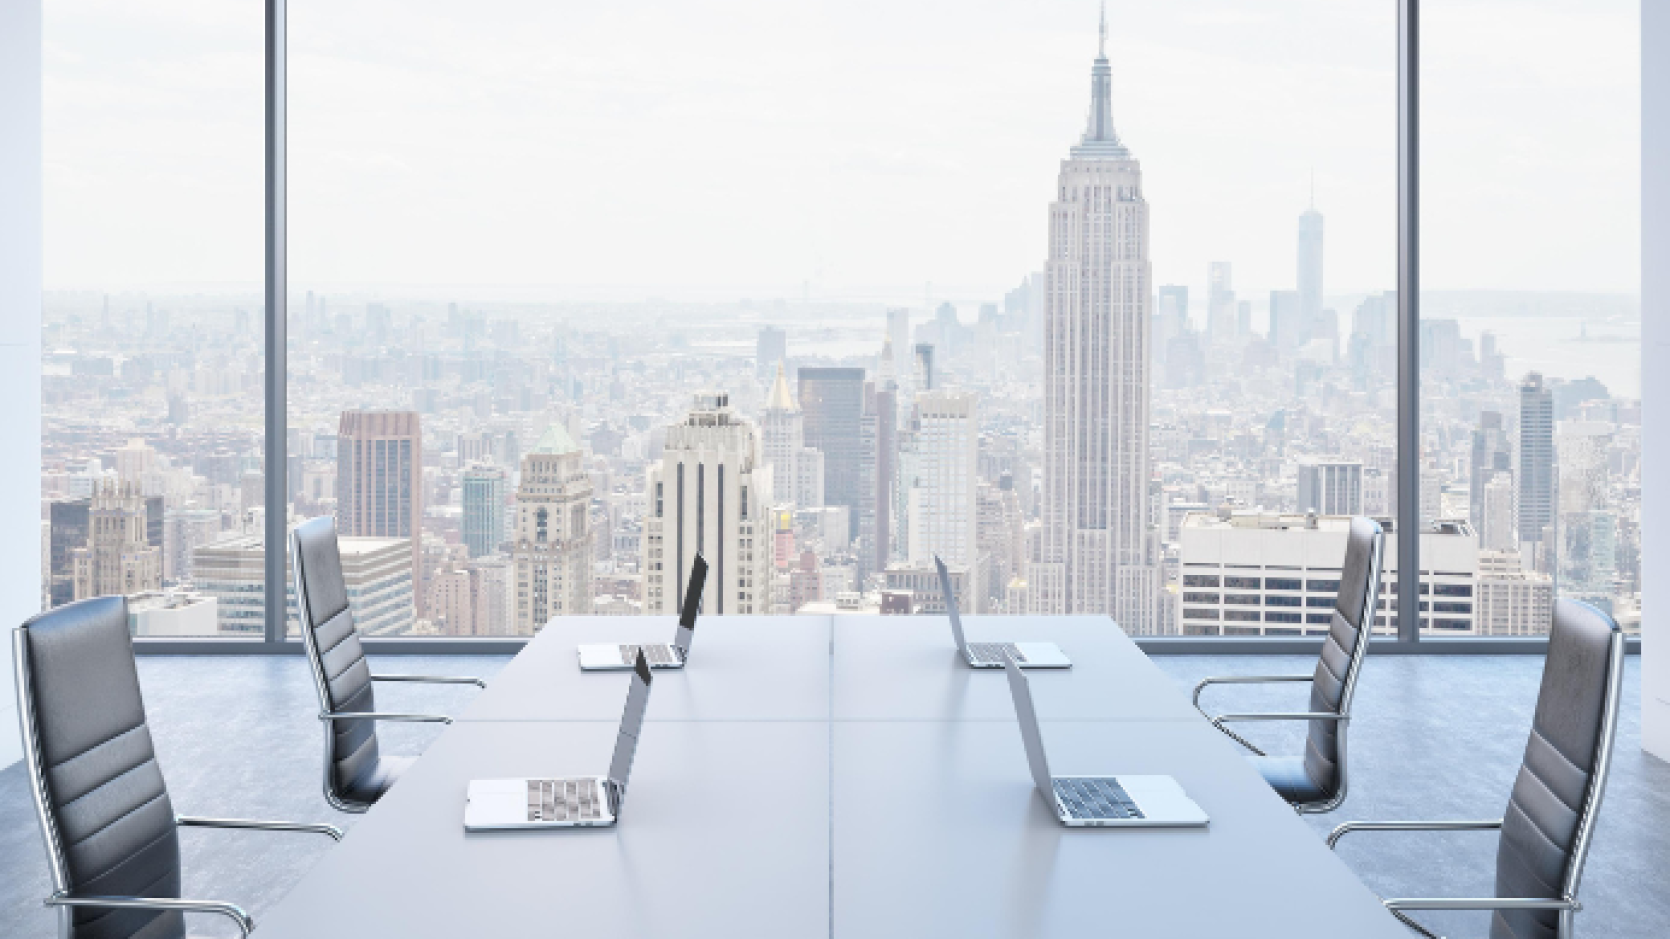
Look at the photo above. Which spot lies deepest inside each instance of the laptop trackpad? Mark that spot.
(1042, 655)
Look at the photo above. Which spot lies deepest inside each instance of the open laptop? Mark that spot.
(994, 654)
(575, 802)
(659, 655)
(1099, 801)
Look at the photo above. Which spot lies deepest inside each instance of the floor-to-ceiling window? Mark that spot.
(152, 475)
(1101, 312)
(1530, 313)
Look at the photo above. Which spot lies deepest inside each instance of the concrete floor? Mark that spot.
(1435, 737)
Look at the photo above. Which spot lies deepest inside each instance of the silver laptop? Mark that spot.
(576, 802)
(1099, 801)
(659, 655)
(994, 654)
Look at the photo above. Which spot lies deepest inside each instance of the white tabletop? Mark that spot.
(908, 668)
(803, 777)
(751, 668)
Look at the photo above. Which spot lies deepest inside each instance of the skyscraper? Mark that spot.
(485, 489)
(770, 350)
(707, 495)
(796, 469)
(379, 479)
(552, 550)
(832, 403)
(941, 499)
(1221, 310)
(1536, 461)
(1310, 274)
(1097, 554)
(898, 335)
(118, 557)
(878, 433)
(1492, 454)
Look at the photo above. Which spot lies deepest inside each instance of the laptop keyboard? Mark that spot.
(991, 653)
(1095, 799)
(564, 800)
(658, 654)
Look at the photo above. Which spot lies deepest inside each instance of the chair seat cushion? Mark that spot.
(1286, 775)
(377, 779)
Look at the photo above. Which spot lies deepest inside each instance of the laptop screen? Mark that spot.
(631, 724)
(1027, 716)
(692, 603)
(951, 604)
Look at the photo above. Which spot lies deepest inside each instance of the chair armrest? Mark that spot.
(1349, 827)
(380, 716)
(1298, 716)
(229, 910)
(1244, 680)
(196, 821)
(432, 679)
(1483, 903)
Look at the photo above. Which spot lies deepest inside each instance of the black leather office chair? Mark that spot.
(1316, 782)
(111, 832)
(1556, 797)
(357, 773)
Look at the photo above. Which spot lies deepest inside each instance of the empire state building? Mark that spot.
(1097, 554)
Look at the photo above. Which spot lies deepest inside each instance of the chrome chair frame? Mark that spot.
(61, 897)
(327, 717)
(1371, 599)
(1566, 903)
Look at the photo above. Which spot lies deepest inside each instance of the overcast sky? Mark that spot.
(702, 146)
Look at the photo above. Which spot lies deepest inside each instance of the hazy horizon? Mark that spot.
(829, 149)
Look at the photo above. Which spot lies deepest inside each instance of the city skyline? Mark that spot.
(1071, 443)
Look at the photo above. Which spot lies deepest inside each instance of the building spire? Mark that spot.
(1100, 139)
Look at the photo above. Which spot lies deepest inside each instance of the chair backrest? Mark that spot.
(340, 672)
(99, 794)
(1335, 679)
(1551, 813)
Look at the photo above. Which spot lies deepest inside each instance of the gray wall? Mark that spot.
(20, 338)
(1655, 382)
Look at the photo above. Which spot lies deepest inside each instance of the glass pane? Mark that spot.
(152, 416)
(1530, 333)
(772, 283)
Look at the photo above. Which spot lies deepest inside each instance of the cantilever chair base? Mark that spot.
(356, 773)
(1544, 837)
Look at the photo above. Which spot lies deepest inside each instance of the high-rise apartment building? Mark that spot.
(485, 489)
(552, 547)
(1330, 487)
(1536, 461)
(832, 405)
(796, 469)
(1512, 601)
(379, 479)
(1097, 553)
(474, 600)
(118, 557)
(707, 495)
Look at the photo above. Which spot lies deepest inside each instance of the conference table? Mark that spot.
(831, 776)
